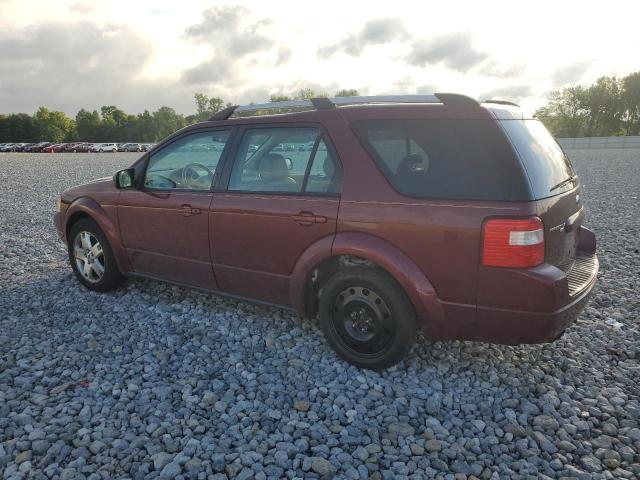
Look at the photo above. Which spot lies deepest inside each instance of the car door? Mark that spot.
(282, 196)
(164, 224)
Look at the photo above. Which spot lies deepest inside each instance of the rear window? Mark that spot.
(448, 159)
(546, 164)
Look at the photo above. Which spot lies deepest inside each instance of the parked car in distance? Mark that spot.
(36, 147)
(20, 147)
(131, 147)
(431, 212)
(104, 147)
(147, 146)
(61, 147)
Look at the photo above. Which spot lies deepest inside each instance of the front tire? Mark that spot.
(367, 318)
(91, 257)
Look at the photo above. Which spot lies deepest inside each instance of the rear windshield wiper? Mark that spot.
(563, 183)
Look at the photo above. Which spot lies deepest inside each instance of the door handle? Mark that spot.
(307, 218)
(187, 210)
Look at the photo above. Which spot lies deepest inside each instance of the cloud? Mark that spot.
(69, 65)
(284, 55)
(375, 32)
(214, 71)
(81, 8)
(231, 29)
(494, 69)
(510, 92)
(570, 74)
(426, 89)
(231, 33)
(454, 50)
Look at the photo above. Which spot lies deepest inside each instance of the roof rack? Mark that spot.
(452, 99)
(502, 102)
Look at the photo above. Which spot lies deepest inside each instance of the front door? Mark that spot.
(164, 224)
(282, 196)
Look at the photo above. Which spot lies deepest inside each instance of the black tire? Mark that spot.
(384, 329)
(111, 277)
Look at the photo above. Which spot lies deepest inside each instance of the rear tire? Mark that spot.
(91, 257)
(367, 318)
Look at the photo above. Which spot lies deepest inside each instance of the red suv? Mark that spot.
(380, 215)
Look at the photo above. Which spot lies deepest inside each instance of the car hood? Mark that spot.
(99, 189)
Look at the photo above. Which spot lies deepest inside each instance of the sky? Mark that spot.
(143, 54)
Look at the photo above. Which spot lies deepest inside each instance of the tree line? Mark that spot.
(609, 107)
(114, 125)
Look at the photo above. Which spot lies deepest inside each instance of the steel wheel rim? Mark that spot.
(88, 256)
(362, 321)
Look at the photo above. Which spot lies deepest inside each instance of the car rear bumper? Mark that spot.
(532, 305)
(516, 326)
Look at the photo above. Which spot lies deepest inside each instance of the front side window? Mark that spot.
(189, 163)
(284, 160)
(445, 159)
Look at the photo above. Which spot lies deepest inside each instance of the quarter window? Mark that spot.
(448, 159)
(189, 163)
(282, 160)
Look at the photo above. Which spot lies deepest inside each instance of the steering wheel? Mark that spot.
(190, 174)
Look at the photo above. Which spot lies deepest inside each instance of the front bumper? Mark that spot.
(58, 222)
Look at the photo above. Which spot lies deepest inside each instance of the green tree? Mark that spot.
(564, 114)
(53, 125)
(166, 121)
(279, 98)
(88, 125)
(630, 97)
(206, 106)
(347, 92)
(308, 93)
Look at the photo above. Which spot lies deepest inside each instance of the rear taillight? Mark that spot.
(516, 243)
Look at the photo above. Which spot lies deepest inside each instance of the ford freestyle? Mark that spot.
(379, 215)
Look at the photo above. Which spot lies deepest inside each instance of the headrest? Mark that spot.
(273, 166)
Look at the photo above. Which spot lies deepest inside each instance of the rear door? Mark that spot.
(554, 185)
(282, 196)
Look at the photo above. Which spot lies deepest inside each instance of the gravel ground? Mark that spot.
(155, 381)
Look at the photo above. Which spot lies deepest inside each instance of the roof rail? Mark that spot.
(501, 102)
(224, 114)
(321, 103)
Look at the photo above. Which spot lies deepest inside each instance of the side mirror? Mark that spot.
(124, 178)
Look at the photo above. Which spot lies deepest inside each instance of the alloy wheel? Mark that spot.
(89, 256)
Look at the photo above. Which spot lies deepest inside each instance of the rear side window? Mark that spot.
(445, 159)
(284, 159)
(545, 162)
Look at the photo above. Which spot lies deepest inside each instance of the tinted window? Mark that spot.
(277, 160)
(545, 162)
(452, 159)
(188, 163)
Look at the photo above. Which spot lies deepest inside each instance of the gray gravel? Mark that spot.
(155, 381)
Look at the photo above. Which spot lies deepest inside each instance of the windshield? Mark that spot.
(546, 164)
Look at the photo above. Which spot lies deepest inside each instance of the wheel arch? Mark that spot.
(323, 257)
(86, 207)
